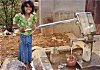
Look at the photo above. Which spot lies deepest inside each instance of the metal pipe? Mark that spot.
(56, 23)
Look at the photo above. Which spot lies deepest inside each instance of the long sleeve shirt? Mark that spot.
(26, 24)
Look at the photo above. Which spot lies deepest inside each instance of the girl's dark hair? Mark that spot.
(24, 4)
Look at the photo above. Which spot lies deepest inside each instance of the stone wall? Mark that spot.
(57, 10)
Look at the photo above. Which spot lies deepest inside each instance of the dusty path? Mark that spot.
(9, 44)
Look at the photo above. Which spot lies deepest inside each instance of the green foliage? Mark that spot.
(8, 9)
(3, 0)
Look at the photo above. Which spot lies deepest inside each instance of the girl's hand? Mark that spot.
(33, 28)
(22, 29)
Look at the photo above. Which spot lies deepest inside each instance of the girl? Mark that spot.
(26, 22)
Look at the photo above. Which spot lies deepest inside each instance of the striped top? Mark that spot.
(24, 23)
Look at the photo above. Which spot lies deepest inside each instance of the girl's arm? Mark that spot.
(16, 22)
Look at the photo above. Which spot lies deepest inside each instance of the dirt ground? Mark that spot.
(9, 44)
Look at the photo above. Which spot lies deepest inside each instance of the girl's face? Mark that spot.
(28, 9)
